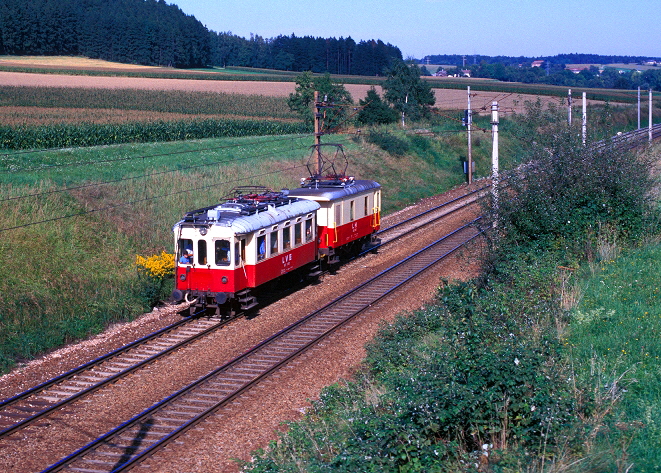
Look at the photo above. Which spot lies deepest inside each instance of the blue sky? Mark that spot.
(423, 27)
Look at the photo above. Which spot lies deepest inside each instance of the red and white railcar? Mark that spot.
(349, 215)
(225, 251)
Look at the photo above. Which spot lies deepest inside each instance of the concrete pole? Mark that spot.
(494, 156)
(585, 118)
(569, 108)
(638, 108)
(649, 126)
(470, 144)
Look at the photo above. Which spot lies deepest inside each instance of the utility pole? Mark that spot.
(649, 126)
(469, 121)
(317, 131)
(638, 108)
(494, 157)
(569, 107)
(585, 118)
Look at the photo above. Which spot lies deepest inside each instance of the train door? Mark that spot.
(239, 252)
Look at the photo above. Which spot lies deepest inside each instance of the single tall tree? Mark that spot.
(333, 94)
(410, 95)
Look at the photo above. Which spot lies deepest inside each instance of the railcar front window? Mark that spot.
(261, 247)
(185, 251)
(286, 238)
(297, 234)
(222, 252)
(308, 230)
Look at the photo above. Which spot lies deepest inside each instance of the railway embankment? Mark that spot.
(550, 357)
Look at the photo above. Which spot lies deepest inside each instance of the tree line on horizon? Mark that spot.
(151, 32)
(554, 70)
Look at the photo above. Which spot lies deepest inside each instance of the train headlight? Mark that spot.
(224, 279)
(182, 277)
(203, 231)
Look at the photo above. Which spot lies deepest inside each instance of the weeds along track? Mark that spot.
(140, 437)
(49, 398)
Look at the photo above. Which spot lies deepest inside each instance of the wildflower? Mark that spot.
(516, 361)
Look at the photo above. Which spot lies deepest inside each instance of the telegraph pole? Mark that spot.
(638, 108)
(649, 125)
(569, 108)
(317, 131)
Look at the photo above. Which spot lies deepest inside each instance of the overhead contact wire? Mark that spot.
(146, 199)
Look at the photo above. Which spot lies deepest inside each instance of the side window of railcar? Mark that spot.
(367, 200)
(261, 247)
(274, 243)
(286, 238)
(297, 234)
(352, 210)
(222, 252)
(184, 244)
(338, 215)
(308, 230)
(201, 252)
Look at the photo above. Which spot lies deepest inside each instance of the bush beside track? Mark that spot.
(515, 371)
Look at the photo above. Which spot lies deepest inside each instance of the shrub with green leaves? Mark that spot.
(388, 142)
(566, 190)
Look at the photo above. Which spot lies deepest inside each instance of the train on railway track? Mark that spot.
(227, 252)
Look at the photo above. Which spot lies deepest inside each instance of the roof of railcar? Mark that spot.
(231, 216)
(326, 194)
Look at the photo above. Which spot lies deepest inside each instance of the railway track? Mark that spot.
(140, 437)
(27, 408)
(32, 405)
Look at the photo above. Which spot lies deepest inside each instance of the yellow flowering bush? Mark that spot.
(157, 266)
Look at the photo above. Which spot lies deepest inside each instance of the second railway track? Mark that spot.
(24, 409)
(141, 436)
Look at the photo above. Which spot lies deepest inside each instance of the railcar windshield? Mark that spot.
(308, 230)
(185, 251)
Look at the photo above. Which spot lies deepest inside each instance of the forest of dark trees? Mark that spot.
(132, 31)
(152, 32)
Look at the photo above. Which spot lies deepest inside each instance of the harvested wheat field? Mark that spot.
(447, 99)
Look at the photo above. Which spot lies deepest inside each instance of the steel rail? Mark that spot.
(427, 213)
(139, 437)
(22, 406)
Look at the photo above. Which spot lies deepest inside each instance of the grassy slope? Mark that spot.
(74, 275)
(615, 344)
